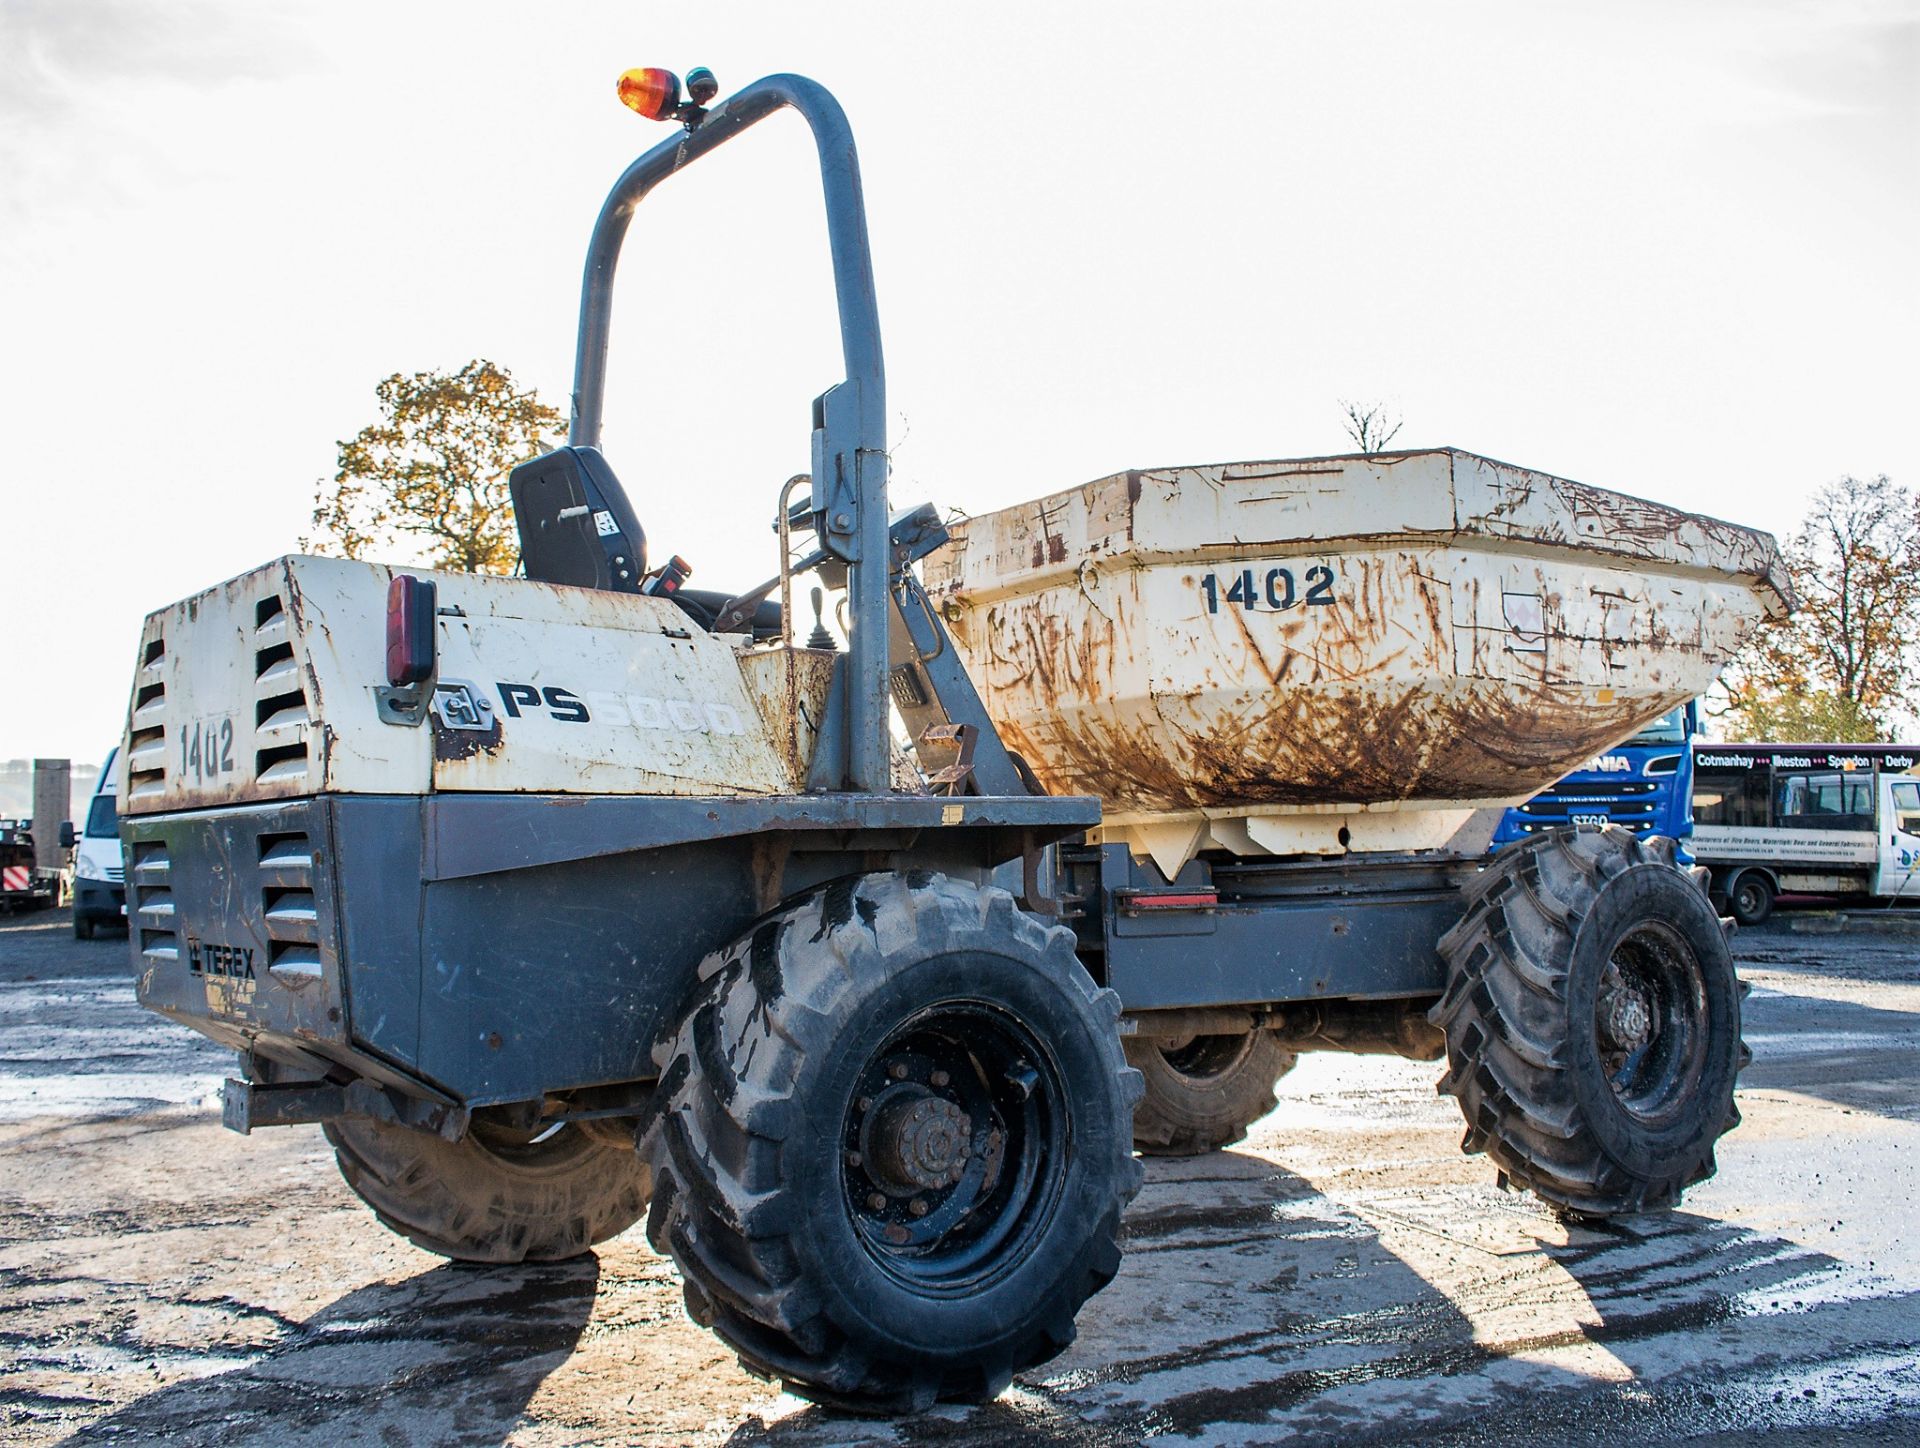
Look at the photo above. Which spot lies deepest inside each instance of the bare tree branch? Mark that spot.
(1370, 427)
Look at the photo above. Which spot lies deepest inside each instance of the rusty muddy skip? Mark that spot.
(1337, 654)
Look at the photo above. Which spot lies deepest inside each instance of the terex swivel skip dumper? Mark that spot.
(570, 899)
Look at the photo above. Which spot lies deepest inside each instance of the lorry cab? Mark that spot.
(1899, 844)
(1644, 784)
(99, 896)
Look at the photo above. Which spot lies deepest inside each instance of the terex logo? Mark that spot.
(1609, 764)
(233, 961)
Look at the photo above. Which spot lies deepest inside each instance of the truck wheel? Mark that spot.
(1749, 897)
(892, 1141)
(497, 1194)
(1203, 1092)
(82, 926)
(1592, 1018)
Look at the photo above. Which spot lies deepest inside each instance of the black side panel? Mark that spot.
(563, 975)
(377, 853)
(1344, 929)
(230, 921)
(1293, 950)
(576, 526)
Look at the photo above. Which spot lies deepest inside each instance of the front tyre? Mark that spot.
(496, 1195)
(894, 1143)
(1592, 1019)
(1203, 1092)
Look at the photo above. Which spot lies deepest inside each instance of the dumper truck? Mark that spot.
(863, 972)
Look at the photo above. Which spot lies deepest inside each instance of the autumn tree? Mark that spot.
(1371, 427)
(431, 474)
(1839, 669)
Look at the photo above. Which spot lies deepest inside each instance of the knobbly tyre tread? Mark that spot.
(725, 1112)
(1505, 1016)
(460, 1200)
(1182, 1115)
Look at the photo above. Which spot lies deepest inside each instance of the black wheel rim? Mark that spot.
(953, 1149)
(1650, 1022)
(1207, 1058)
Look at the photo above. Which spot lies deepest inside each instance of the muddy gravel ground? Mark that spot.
(1345, 1277)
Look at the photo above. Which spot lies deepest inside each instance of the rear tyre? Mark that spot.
(893, 1144)
(497, 1194)
(1203, 1092)
(82, 927)
(1592, 1018)
(1749, 897)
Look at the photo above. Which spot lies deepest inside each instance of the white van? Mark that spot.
(99, 896)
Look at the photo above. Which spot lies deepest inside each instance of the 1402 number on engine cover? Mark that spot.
(206, 749)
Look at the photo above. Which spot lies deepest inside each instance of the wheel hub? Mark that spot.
(1626, 1017)
(1650, 1021)
(953, 1146)
(914, 1141)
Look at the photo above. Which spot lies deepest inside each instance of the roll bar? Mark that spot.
(849, 419)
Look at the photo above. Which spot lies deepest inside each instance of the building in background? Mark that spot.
(16, 788)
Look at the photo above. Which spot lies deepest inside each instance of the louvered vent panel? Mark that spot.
(293, 924)
(280, 711)
(146, 725)
(150, 902)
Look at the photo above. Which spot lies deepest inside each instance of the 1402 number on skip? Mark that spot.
(1273, 588)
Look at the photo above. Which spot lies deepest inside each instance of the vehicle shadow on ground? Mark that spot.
(453, 1354)
(1243, 1293)
(1248, 1305)
(1865, 1058)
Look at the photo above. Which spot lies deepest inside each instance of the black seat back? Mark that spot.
(576, 526)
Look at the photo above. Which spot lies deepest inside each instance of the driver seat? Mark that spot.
(578, 529)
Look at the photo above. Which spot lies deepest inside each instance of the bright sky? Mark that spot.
(1663, 248)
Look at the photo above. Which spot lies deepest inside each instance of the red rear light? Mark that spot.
(650, 91)
(412, 604)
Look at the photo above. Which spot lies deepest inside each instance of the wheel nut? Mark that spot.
(876, 1202)
(865, 1103)
(898, 1071)
(853, 1158)
(939, 1078)
(917, 1207)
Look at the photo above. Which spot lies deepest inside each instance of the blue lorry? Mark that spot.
(1644, 785)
